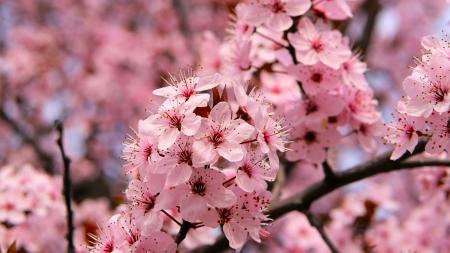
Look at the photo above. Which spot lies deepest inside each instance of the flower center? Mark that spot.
(409, 131)
(247, 169)
(132, 237)
(267, 136)
(310, 137)
(199, 187)
(187, 92)
(185, 156)
(175, 121)
(225, 215)
(109, 247)
(149, 202)
(316, 77)
(148, 152)
(277, 6)
(216, 138)
(318, 46)
(438, 92)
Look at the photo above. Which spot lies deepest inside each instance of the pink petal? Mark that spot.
(297, 7)
(168, 91)
(191, 124)
(235, 234)
(208, 82)
(220, 196)
(279, 22)
(168, 138)
(241, 132)
(231, 151)
(179, 174)
(221, 113)
(193, 208)
(203, 153)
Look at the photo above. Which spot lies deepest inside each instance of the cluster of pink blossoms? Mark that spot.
(288, 50)
(204, 156)
(425, 110)
(31, 202)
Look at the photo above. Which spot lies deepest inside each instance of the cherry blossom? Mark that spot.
(220, 135)
(313, 45)
(275, 14)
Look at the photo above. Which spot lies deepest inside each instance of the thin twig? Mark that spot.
(315, 222)
(67, 187)
(171, 217)
(372, 8)
(184, 229)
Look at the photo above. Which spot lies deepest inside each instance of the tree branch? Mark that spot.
(184, 229)
(372, 8)
(319, 226)
(302, 201)
(67, 187)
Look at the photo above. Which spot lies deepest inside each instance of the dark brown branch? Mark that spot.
(184, 229)
(376, 166)
(302, 201)
(46, 160)
(372, 8)
(319, 226)
(67, 187)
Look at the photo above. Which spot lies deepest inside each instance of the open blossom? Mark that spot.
(147, 201)
(177, 162)
(220, 135)
(353, 73)
(314, 46)
(276, 14)
(243, 219)
(315, 78)
(253, 172)
(404, 134)
(188, 86)
(204, 189)
(310, 141)
(173, 118)
(333, 9)
(139, 153)
(429, 87)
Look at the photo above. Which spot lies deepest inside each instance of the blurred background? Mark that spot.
(94, 63)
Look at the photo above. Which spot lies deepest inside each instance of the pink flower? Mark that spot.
(271, 136)
(189, 86)
(220, 135)
(367, 133)
(333, 9)
(276, 14)
(353, 73)
(440, 140)
(176, 162)
(315, 78)
(428, 87)
(109, 238)
(139, 153)
(204, 189)
(253, 171)
(243, 219)
(310, 141)
(279, 89)
(174, 117)
(403, 133)
(147, 201)
(361, 106)
(318, 107)
(313, 46)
